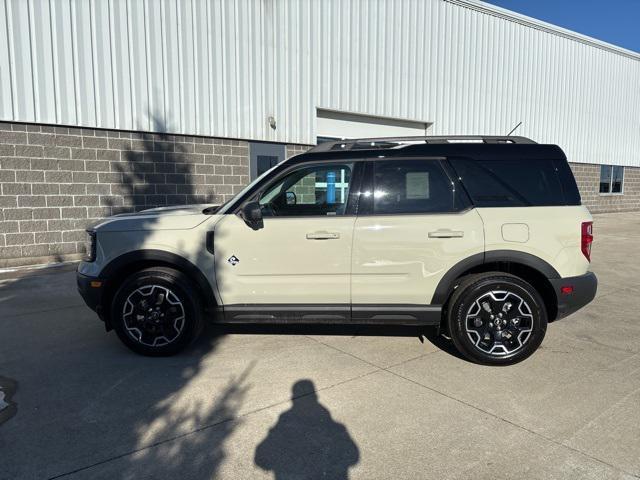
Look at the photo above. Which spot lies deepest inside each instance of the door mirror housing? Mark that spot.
(291, 198)
(252, 215)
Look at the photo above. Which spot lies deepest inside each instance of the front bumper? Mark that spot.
(91, 290)
(584, 290)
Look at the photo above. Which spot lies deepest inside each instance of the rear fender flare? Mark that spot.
(448, 281)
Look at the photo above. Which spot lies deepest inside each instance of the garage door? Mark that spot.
(332, 125)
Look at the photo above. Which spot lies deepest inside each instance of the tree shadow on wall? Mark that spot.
(158, 170)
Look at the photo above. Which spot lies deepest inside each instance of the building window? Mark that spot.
(611, 180)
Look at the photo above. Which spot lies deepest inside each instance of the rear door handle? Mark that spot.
(446, 233)
(323, 235)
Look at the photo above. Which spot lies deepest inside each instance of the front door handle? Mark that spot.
(323, 235)
(446, 233)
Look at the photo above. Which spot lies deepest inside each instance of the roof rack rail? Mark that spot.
(399, 142)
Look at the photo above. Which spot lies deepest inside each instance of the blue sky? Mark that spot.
(614, 21)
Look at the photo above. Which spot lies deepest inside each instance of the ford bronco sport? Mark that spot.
(484, 238)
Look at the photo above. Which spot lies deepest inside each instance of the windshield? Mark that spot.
(223, 208)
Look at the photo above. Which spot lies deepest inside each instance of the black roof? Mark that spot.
(478, 151)
(494, 149)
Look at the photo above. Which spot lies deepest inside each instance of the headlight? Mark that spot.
(90, 246)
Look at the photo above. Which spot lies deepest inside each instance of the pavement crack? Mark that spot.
(22, 314)
(206, 427)
(611, 407)
(342, 351)
(381, 368)
(516, 425)
(467, 404)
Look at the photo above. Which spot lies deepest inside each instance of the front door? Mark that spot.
(410, 232)
(302, 255)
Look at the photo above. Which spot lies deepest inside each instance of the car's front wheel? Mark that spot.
(496, 318)
(156, 312)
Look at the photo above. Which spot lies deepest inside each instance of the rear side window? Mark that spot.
(510, 182)
(411, 186)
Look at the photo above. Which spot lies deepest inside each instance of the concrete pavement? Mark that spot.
(368, 403)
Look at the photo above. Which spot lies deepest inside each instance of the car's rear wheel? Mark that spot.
(496, 318)
(156, 312)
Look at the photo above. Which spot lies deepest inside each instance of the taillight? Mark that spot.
(587, 239)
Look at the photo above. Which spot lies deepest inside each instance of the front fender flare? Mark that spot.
(120, 264)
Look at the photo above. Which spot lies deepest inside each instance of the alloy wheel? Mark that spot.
(499, 323)
(153, 316)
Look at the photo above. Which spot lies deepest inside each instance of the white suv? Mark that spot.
(484, 238)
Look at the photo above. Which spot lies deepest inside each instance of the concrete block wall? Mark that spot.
(55, 181)
(292, 150)
(588, 179)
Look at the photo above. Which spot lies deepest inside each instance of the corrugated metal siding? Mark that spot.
(222, 67)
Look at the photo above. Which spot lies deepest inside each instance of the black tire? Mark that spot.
(496, 318)
(157, 312)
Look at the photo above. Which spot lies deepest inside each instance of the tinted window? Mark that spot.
(616, 179)
(605, 178)
(411, 186)
(611, 178)
(511, 182)
(567, 182)
(315, 190)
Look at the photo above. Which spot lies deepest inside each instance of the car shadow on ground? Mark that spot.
(420, 333)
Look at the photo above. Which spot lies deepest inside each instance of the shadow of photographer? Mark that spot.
(307, 442)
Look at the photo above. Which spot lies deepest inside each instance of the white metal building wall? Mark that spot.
(222, 67)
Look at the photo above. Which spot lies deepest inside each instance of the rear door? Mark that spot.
(412, 227)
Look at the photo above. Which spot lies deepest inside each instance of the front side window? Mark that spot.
(611, 179)
(411, 186)
(318, 190)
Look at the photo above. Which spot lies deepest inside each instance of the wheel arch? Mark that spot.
(128, 263)
(530, 268)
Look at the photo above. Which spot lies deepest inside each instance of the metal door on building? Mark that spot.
(263, 156)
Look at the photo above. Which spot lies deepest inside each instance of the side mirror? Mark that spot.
(291, 198)
(252, 215)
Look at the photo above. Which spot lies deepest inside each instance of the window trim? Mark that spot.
(351, 209)
(368, 179)
(611, 193)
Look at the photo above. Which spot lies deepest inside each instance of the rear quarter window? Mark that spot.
(510, 182)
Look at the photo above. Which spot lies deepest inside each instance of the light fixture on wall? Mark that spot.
(272, 122)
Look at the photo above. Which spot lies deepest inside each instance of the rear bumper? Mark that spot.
(91, 289)
(584, 290)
